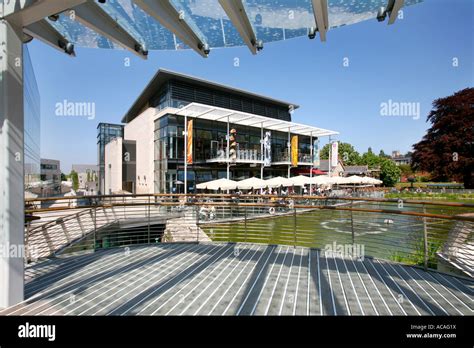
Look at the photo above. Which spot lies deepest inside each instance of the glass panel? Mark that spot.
(273, 20)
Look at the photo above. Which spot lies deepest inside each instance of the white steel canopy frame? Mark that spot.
(214, 113)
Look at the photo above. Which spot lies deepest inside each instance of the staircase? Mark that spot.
(184, 229)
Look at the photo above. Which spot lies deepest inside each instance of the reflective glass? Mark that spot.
(272, 20)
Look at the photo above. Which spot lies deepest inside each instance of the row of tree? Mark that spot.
(446, 152)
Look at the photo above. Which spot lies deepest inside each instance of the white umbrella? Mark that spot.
(372, 181)
(223, 184)
(354, 179)
(250, 183)
(300, 180)
(319, 180)
(332, 180)
(278, 181)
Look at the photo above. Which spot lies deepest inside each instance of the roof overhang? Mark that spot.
(213, 113)
(164, 75)
(140, 25)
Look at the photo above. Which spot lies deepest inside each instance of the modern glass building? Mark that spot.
(105, 133)
(181, 123)
(32, 130)
(210, 153)
(50, 177)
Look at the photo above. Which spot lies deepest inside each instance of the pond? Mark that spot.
(382, 235)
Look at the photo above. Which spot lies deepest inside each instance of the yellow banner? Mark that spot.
(294, 151)
(189, 143)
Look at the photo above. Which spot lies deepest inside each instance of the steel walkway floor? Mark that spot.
(230, 279)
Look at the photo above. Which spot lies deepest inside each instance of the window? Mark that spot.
(49, 166)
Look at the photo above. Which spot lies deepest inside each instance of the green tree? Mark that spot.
(405, 169)
(347, 154)
(75, 180)
(389, 172)
(370, 159)
(446, 151)
(382, 154)
(63, 177)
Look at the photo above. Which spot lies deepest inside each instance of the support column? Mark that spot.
(262, 149)
(11, 166)
(312, 164)
(185, 154)
(228, 149)
(289, 152)
(330, 155)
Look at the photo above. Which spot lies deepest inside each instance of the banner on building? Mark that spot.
(294, 151)
(316, 158)
(334, 153)
(189, 143)
(267, 149)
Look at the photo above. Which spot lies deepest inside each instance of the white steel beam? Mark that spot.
(321, 17)
(93, 16)
(22, 13)
(235, 10)
(393, 9)
(44, 31)
(175, 21)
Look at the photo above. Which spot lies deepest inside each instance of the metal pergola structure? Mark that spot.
(23, 20)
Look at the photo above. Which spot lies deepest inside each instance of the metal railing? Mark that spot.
(436, 235)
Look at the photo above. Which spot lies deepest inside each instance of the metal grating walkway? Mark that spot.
(229, 279)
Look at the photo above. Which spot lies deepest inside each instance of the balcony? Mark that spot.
(245, 267)
(284, 158)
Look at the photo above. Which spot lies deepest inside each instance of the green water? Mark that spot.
(386, 236)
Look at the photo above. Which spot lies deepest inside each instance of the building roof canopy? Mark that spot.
(213, 113)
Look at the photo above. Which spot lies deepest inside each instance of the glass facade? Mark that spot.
(209, 141)
(178, 94)
(105, 133)
(32, 125)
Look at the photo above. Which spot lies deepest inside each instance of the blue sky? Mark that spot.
(411, 61)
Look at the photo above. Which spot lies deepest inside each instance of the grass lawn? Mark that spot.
(401, 185)
(450, 197)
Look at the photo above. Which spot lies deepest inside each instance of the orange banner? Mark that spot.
(189, 143)
(294, 151)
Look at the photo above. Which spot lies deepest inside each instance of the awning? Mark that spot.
(142, 25)
(214, 113)
(307, 171)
